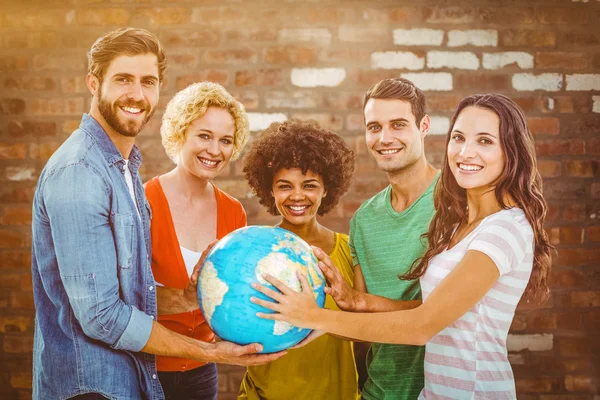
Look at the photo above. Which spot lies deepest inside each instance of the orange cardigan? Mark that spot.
(169, 269)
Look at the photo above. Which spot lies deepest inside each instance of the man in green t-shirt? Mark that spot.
(385, 232)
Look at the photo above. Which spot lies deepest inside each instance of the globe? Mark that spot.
(238, 260)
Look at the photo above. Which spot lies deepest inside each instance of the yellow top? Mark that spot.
(323, 369)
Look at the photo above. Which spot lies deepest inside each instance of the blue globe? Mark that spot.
(237, 260)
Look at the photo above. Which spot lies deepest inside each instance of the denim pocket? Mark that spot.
(123, 227)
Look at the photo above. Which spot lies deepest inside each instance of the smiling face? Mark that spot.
(475, 155)
(208, 144)
(392, 136)
(128, 94)
(298, 196)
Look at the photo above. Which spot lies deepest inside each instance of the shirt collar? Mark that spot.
(107, 147)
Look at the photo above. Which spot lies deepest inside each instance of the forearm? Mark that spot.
(165, 342)
(397, 327)
(173, 301)
(370, 303)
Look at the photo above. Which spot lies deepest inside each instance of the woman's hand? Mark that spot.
(190, 293)
(231, 353)
(295, 308)
(345, 297)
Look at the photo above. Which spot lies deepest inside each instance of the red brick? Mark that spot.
(16, 216)
(591, 319)
(293, 55)
(407, 14)
(592, 234)
(593, 147)
(578, 346)
(103, 16)
(34, 83)
(578, 383)
(581, 125)
(573, 212)
(217, 76)
(442, 103)
(15, 258)
(11, 194)
(571, 235)
(528, 38)
(564, 104)
(10, 239)
(16, 151)
(367, 78)
(48, 18)
(13, 63)
(56, 63)
(21, 300)
(531, 104)
(558, 147)
(549, 168)
(553, 235)
(576, 257)
(556, 15)
(343, 101)
(451, 15)
(344, 55)
(163, 15)
(250, 99)
(218, 16)
(559, 189)
(261, 77)
(230, 56)
(584, 299)
(333, 122)
(253, 35)
(17, 344)
(33, 128)
(570, 39)
(499, 15)
(563, 397)
(581, 168)
(482, 82)
(43, 151)
(363, 33)
(12, 106)
(10, 281)
(74, 85)
(569, 320)
(15, 323)
(560, 60)
(537, 385)
(192, 38)
(57, 106)
(544, 125)
(595, 190)
(566, 278)
(21, 380)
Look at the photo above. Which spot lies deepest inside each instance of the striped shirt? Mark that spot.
(468, 359)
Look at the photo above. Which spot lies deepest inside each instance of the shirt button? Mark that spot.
(190, 329)
(150, 288)
(153, 376)
(152, 316)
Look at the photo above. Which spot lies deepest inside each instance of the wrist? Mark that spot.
(360, 302)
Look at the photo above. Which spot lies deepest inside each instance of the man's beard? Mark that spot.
(125, 128)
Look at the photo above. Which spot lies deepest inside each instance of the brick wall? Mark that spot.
(315, 59)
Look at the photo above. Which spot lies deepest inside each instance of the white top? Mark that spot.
(190, 258)
(468, 359)
(129, 181)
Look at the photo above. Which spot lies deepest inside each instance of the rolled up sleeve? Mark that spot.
(77, 203)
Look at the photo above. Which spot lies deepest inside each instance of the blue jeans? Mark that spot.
(201, 383)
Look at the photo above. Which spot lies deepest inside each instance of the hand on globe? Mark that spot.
(345, 297)
(231, 353)
(296, 308)
(190, 291)
(311, 336)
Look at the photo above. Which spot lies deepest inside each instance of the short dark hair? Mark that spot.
(124, 41)
(303, 145)
(399, 89)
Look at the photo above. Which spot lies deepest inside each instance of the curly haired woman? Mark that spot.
(203, 129)
(299, 170)
(487, 249)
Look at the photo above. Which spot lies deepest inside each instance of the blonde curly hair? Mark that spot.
(190, 104)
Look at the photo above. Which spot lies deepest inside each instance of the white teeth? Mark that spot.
(298, 208)
(469, 167)
(132, 110)
(208, 162)
(391, 151)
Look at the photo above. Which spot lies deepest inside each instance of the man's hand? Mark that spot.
(345, 297)
(230, 353)
(190, 293)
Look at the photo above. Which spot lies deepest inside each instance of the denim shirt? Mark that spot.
(93, 287)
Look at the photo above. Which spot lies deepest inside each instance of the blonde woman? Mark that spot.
(203, 129)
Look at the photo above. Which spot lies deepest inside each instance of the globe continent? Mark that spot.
(237, 260)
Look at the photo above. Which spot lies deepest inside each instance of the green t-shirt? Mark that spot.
(385, 243)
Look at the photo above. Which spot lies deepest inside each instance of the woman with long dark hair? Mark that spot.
(487, 250)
